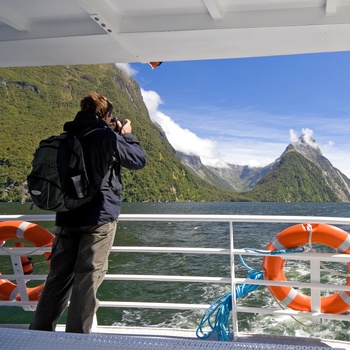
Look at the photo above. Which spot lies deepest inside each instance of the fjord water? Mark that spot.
(196, 234)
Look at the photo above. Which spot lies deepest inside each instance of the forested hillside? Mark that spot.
(37, 101)
(294, 179)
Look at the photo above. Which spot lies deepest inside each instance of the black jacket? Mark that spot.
(104, 151)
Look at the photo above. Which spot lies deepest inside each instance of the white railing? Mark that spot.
(315, 259)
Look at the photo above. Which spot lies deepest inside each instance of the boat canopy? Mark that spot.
(65, 32)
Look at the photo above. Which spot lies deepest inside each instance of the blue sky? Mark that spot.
(246, 111)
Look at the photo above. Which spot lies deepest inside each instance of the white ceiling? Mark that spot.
(59, 32)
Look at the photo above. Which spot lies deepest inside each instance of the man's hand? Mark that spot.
(126, 128)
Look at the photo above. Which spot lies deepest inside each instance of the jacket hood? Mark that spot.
(82, 121)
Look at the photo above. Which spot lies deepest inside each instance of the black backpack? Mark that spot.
(58, 180)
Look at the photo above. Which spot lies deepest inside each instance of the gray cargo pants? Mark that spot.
(78, 265)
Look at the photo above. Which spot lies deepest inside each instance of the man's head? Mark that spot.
(113, 124)
(97, 104)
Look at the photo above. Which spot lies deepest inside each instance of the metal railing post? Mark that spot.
(233, 283)
(315, 293)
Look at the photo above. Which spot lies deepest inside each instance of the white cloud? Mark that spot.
(309, 138)
(183, 140)
(293, 137)
(126, 67)
(307, 135)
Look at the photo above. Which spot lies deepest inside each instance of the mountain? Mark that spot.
(301, 173)
(209, 174)
(335, 179)
(293, 179)
(37, 101)
(239, 178)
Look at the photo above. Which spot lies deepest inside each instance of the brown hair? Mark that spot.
(97, 104)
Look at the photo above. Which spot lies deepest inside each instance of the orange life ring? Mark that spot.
(298, 235)
(30, 232)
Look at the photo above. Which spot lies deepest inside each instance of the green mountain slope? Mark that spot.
(37, 101)
(294, 179)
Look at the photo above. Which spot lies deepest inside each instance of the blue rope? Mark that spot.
(217, 315)
(244, 289)
(220, 310)
(277, 252)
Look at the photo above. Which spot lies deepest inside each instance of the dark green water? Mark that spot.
(193, 234)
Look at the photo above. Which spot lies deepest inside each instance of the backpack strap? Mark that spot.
(88, 131)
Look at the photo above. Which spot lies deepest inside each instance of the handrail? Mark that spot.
(133, 249)
(213, 218)
(230, 219)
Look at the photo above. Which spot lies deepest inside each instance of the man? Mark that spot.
(84, 236)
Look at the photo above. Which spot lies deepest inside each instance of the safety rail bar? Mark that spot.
(314, 258)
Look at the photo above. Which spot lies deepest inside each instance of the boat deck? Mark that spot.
(17, 337)
(137, 339)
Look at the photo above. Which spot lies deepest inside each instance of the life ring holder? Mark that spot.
(39, 237)
(299, 235)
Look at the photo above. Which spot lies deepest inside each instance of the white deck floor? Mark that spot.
(23, 339)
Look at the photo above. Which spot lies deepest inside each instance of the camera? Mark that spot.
(122, 121)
